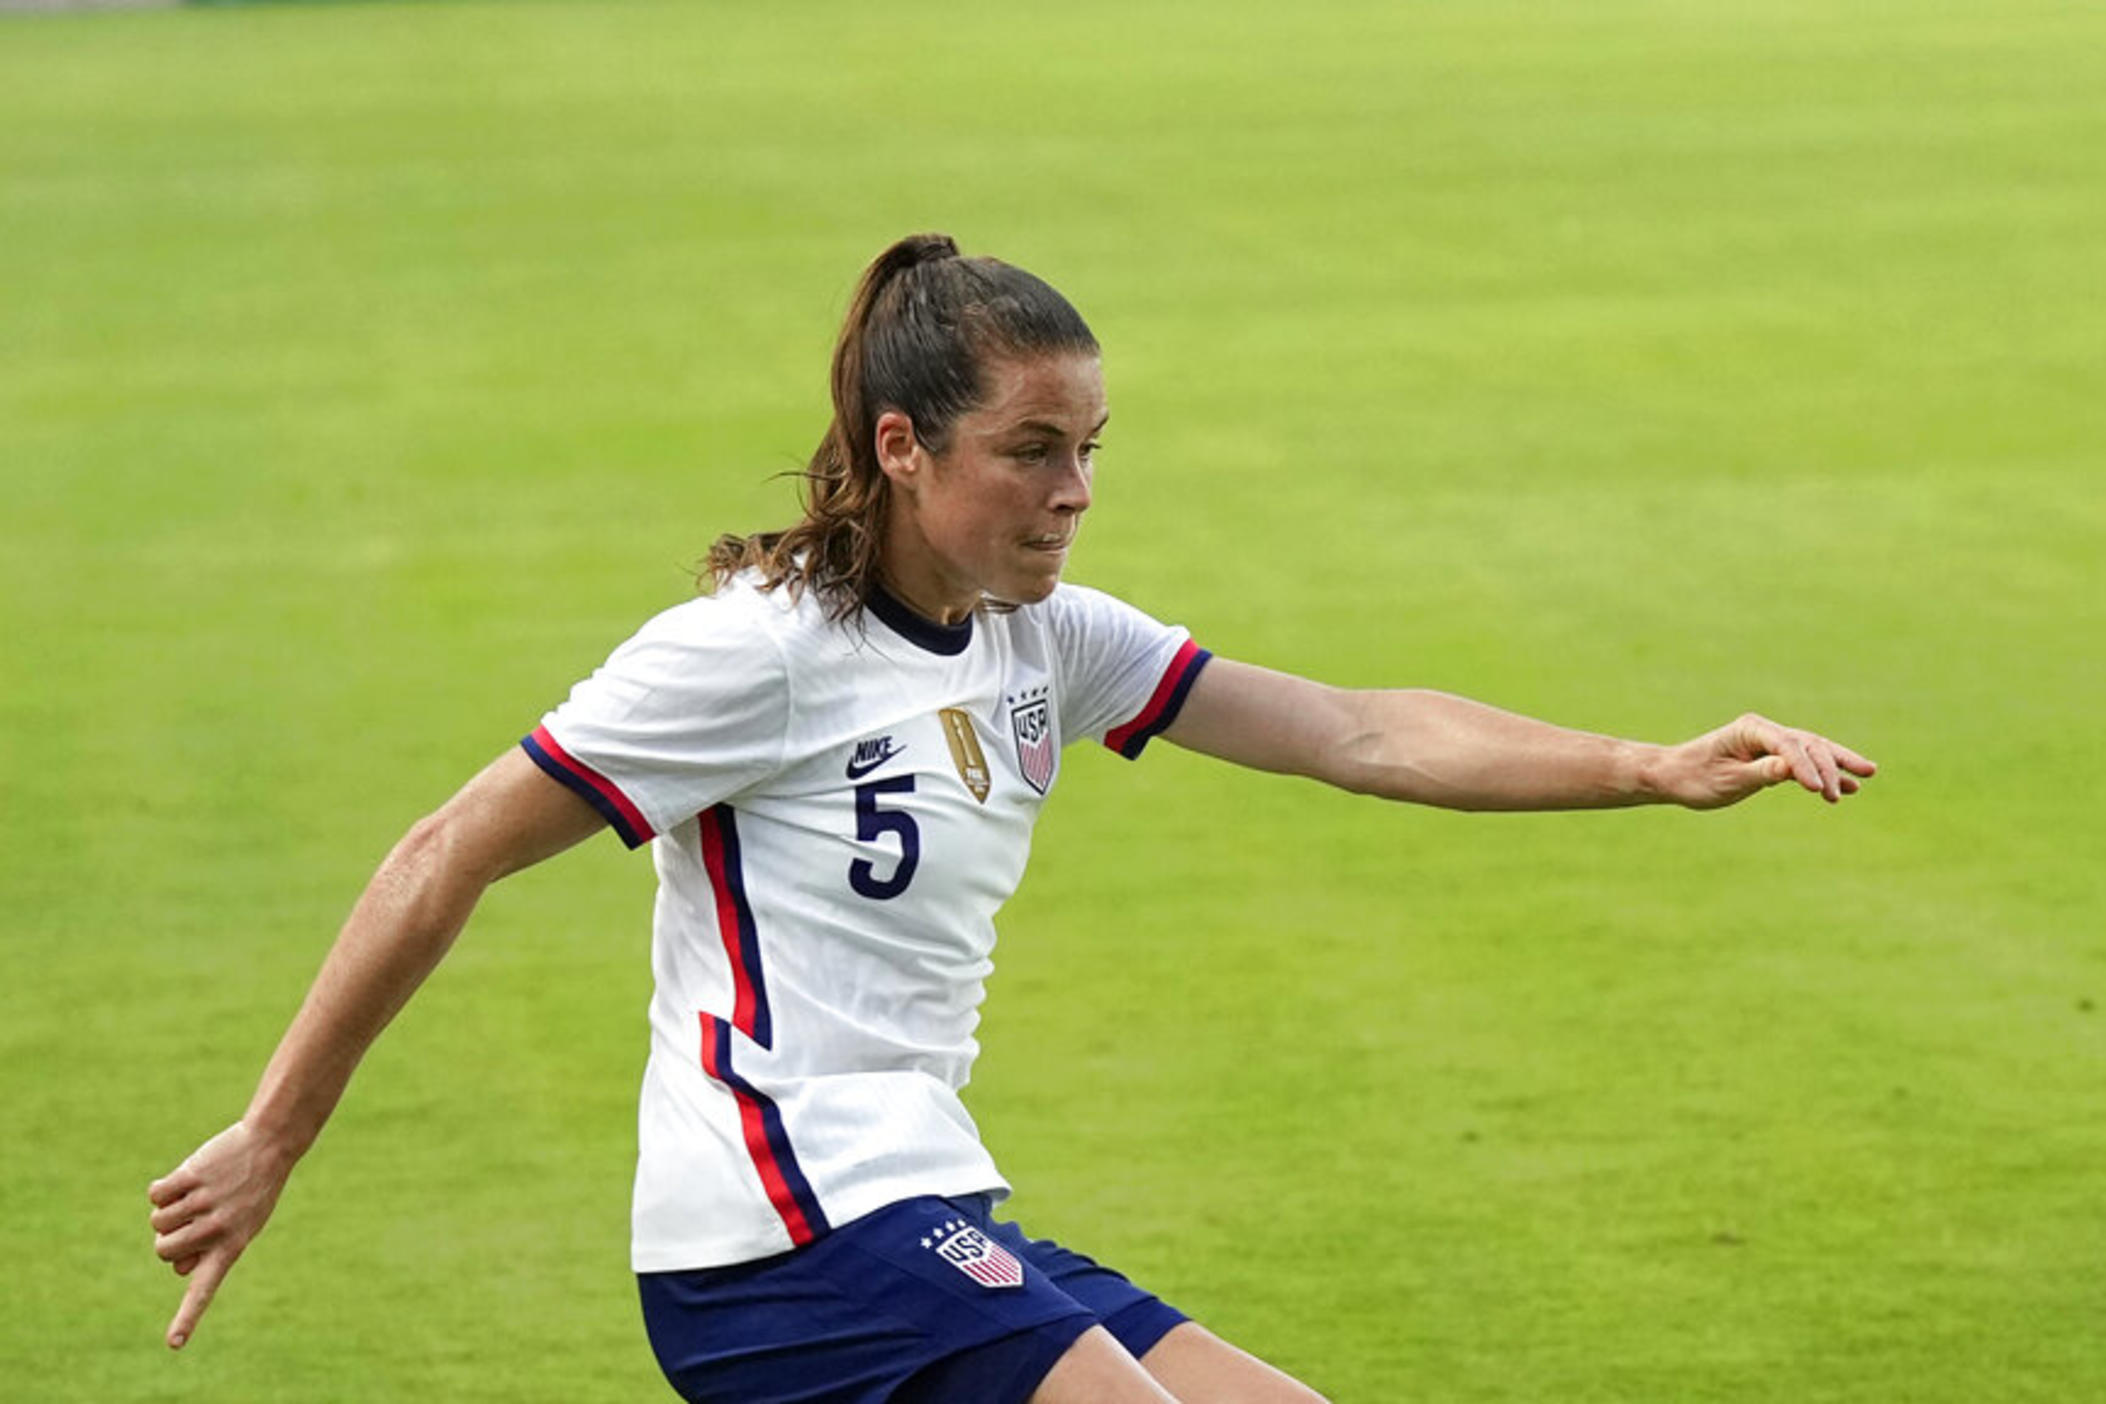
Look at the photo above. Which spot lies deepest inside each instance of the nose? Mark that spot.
(1071, 494)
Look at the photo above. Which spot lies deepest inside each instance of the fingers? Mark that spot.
(174, 1185)
(204, 1282)
(1822, 758)
(1733, 783)
(187, 1230)
(1855, 763)
(1805, 769)
(191, 1240)
(1787, 752)
(174, 1216)
(1840, 767)
(1817, 763)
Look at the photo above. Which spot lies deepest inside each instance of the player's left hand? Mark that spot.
(1752, 753)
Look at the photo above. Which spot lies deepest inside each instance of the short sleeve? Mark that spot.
(1123, 675)
(685, 714)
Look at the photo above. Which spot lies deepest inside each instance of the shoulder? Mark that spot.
(740, 612)
(731, 638)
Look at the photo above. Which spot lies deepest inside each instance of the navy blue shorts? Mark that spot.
(924, 1301)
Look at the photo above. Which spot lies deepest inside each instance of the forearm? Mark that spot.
(1438, 749)
(402, 926)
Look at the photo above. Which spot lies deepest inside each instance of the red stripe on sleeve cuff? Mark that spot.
(589, 785)
(1164, 703)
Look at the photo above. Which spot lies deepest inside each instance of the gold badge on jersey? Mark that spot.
(965, 751)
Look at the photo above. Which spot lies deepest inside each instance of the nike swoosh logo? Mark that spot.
(857, 771)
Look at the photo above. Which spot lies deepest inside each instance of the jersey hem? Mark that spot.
(694, 1257)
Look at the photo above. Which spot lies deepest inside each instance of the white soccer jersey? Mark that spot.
(838, 813)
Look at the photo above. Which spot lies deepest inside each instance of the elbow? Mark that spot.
(429, 882)
(435, 855)
(1355, 755)
(1358, 762)
(426, 846)
(1400, 784)
(1369, 765)
(1357, 777)
(1403, 745)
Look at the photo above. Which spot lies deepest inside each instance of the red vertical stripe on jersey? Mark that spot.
(760, 1120)
(733, 922)
(754, 1112)
(1158, 702)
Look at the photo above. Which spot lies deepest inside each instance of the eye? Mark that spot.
(1090, 449)
(1033, 453)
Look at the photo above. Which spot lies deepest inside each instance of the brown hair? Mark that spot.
(918, 336)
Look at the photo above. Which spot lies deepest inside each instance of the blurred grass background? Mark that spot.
(368, 371)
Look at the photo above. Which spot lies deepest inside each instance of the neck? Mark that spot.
(908, 570)
(927, 598)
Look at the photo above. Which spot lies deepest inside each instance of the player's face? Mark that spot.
(996, 511)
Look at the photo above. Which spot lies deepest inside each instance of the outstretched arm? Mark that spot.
(1435, 748)
(208, 1209)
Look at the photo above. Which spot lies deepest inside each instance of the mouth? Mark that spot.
(1057, 542)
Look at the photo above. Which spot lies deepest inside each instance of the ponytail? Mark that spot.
(921, 326)
(841, 446)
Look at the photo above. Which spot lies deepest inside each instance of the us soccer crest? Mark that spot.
(1031, 719)
(973, 1253)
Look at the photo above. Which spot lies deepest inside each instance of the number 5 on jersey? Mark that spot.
(872, 823)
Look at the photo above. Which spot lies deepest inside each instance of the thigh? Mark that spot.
(1190, 1365)
(1193, 1363)
(1098, 1370)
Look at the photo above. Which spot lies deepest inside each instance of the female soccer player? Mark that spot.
(837, 756)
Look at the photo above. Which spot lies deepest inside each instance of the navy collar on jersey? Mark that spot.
(914, 628)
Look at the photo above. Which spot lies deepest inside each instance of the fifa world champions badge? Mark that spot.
(965, 752)
(1031, 719)
(973, 1253)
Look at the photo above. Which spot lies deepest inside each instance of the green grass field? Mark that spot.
(367, 372)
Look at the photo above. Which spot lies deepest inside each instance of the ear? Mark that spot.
(899, 453)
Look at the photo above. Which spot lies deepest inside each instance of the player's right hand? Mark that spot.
(207, 1210)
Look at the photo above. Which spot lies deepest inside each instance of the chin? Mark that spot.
(1028, 592)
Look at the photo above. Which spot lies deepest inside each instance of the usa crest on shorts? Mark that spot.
(973, 1253)
(1037, 751)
